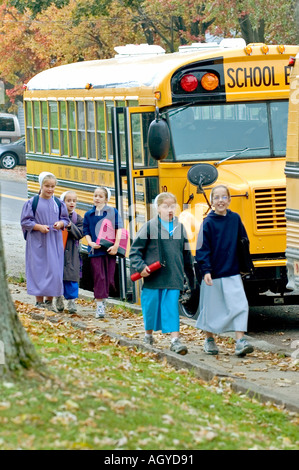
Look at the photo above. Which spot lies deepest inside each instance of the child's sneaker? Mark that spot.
(177, 347)
(149, 339)
(49, 305)
(40, 305)
(60, 303)
(210, 346)
(243, 347)
(71, 305)
(100, 312)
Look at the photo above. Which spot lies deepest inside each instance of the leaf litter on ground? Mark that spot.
(100, 395)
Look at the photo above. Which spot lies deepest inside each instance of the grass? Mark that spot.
(103, 396)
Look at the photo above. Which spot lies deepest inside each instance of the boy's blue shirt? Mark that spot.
(217, 244)
(167, 225)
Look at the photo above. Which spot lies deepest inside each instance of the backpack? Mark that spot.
(34, 206)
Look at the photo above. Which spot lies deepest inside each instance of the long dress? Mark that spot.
(44, 255)
(223, 306)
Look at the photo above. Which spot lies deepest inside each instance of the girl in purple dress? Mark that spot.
(44, 245)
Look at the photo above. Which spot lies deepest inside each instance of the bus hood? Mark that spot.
(259, 182)
(252, 174)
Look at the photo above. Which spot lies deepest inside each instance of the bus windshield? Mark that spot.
(214, 132)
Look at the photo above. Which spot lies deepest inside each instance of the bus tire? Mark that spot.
(185, 312)
(188, 304)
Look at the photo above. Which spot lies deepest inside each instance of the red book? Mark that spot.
(152, 267)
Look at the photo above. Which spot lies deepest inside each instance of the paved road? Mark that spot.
(13, 196)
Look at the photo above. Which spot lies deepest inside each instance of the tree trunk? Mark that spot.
(16, 350)
(249, 33)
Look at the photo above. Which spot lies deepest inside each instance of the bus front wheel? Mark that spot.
(188, 303)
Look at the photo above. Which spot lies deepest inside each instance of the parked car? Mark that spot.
(9, 128)
(12, 154)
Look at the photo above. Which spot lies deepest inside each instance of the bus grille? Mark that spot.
(270, 206)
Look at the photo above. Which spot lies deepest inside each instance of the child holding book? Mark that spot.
(163, 239)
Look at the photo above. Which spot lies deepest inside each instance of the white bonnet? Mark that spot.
(166, 194)
(108, 193)
(155, 204)
(62, 196)
(43, 175)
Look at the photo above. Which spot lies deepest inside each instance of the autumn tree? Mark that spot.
(20, 56)
(86, 36)
(272, 22)
(297, 20)
(39, 34)
(174, 22)
(37, 6)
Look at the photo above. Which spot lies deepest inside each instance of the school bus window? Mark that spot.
(241, 112)
(101, 130)
(120, 104)
(228, 112)
(122, 140)
(136, 140)
(72, 128)
(36, 126)
(132, 103)
(145, 189)
(54, 137)
(218, 131)
(149, 161)
(279, 120)
(254, 113)
(91, 138)
(28, 110)
(205, 112)
(109, 105)
(45, 127)
(140, 123)
(63, 128)
(217, 112)
(81, 129)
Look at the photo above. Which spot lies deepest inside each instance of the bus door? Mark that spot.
(136, 178)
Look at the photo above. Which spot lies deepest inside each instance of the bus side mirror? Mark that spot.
(202, 174)
(158, 138)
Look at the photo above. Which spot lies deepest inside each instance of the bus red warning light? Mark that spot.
(189, 82)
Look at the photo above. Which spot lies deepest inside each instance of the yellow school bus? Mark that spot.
(224, 104)
(292, 175)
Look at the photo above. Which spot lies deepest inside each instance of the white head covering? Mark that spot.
(155, 204)
(108, 193)
(62, 196)
(43, 175)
